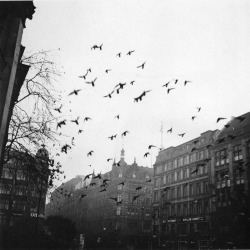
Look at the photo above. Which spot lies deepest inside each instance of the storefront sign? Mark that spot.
(35, 215)
(171, 220)
(193, 219)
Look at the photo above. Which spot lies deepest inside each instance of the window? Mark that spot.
(185, 193)
(198, 188)
(118, 210)
(185, 209)
(191, 208)
(237, 152)
(191, 191)
(178, 192)
(120, 175)
(184, 174)
(206, 207)
(119, 197)
(157, 182)
(178, 210)
(173, 210)
(175, 163)
(172, 193)
(133, 175)
(172, 178)
(198, 205)
(178, 176)
(164, 180)
(119, 187)
(156, 196)
(205, 187)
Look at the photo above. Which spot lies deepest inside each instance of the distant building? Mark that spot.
(13, 15)
(23, 188)
(182, 189)
(118, 212)
(230, 173)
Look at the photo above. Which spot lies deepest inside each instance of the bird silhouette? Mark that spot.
(195, 171)
(92, 184)
(141, 66)
(94, 47)
(113, 198)
(199, 109)
(89, 70)
(193, 117)
(82, 196)
(87, 118)
(170, 130)
(80, 131)
(59, 124)
(109, 95)
(193, 149)
(227, 125)
(84, 76)
(107, 70)
(140, 96)
(132, 82)
(112, 137)
(119, 54)
(195, 142)
(232, 137)
(58, 109)
(170, 89)
(65, 148)
(138, 188)
(185, 82)
(100, 47)
(148, 180)
(109, 159)
(181, 134)
(166, 84)
(117, 116)
(241, 118)
(92, 82)
(151, 146)
(76, 121)
(130, 52)
(125, 133)
(146, 154)
(90, 153)
(176, 80)
(220, 118)
(135, 197)
(97, 176)
(103, 190)
(122, 183)
(75, 91)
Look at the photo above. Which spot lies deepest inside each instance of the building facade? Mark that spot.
(182, 193)
(23, 188)
(13, 15)
(115, 208)
(201, 188)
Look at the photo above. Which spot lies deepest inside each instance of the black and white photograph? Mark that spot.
(124, 124)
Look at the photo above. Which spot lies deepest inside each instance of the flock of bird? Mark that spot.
(170, 86)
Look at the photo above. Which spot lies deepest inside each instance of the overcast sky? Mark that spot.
(205, 42)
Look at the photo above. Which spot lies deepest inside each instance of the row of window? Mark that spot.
(180, 175)
(182, 161)
(184, 190)
(189, 208)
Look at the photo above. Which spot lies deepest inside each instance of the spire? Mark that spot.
(122, 154)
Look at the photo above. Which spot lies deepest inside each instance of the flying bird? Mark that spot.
(182, 134)
(76, 121)
(146, 154)
(141, 66)
(94, 47)
(122, 183)
(82, 196)
(151, 146)
(75, 91)
(170, 89)
(107, 70)
(220, 118)
(83, 76)
(241, 118)
(92, 82)
(65, 148)
(193, 117)
(119, 54)
(80, 131)
(176, 80)
(135, 197)
(59, 124)
(109, 95)
(132, 82)
(148, 180)
(232, 137)
(103, 190)
(185, 82)
(199, 109)
(90, 153)
(125, 133)
(58, 109)
(87, 118)
(117, 116)
(109, 159)
(113, 198)
(112, 137)
(130, 52)
(195, 171)
(166, 84)
(138, 188)
(97, 176)
(170, 130)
